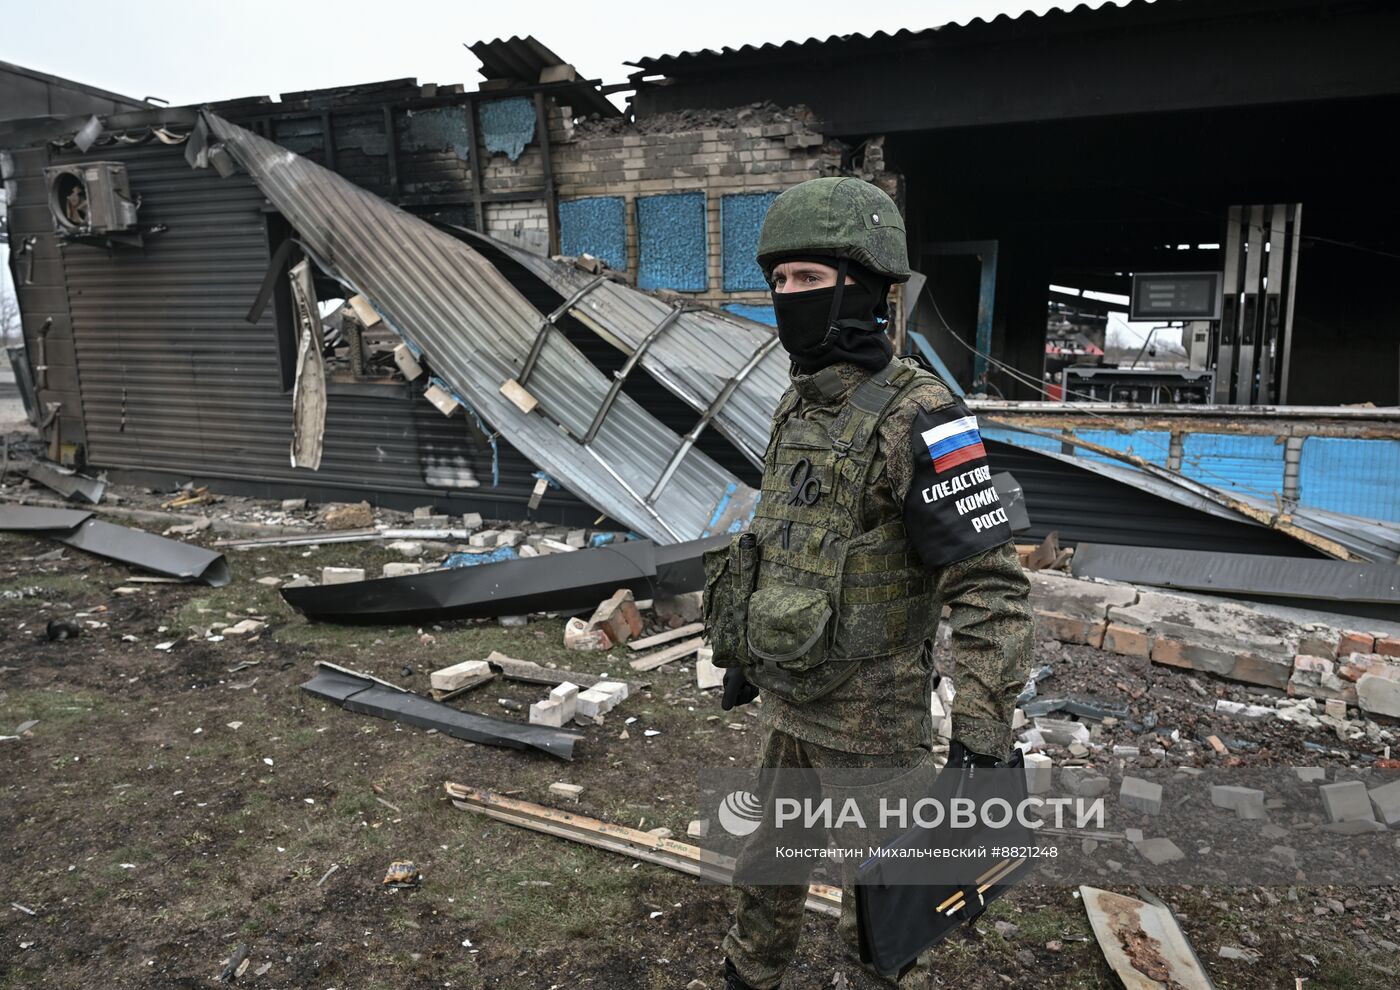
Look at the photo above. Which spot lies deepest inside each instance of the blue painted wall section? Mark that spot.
(1250, 465)
(1150, 445)
(1357, 477)
(672, 242)
(507, 125)
(740, 220)
(434, 129)
(1030, 441)
(596, 225)
(759, 314)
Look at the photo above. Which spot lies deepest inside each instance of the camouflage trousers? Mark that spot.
(768, 919)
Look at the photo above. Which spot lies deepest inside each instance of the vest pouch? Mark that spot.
(787, 626)
(730, 574)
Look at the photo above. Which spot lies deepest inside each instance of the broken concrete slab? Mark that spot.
(1246, 802)
(563, 790)
(594, 703)
(1159, 851)
(1386, 802)
(1077, 598)
(401, 568)
(1140, 795)
(1346, 801)
(1310, 775)
(1062, 732)
(1378, 695)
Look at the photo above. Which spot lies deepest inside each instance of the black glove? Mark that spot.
(737, 689)
(962, 758)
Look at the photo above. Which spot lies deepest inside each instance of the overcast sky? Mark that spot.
(194, 52)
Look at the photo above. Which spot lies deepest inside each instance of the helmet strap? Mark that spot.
(831, 328)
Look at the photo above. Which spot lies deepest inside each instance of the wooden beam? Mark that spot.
(634, 843)
(653, 660)
(687, 630)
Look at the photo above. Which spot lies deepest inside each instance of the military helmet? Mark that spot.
(836, 217)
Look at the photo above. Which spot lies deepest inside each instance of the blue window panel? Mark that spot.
(1357, 477)
(597, 226)
(740, 220)
(1233, 462)
(759, 314)
(507, 125)
(1030, 441)
(672, 243)
(1150, 445)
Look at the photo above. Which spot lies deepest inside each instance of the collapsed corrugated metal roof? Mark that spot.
(523, 59)
(728, 369)
(478, 333)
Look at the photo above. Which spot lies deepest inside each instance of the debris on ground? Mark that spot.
(402, 873)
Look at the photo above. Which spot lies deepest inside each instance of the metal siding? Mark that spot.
(750, 311)
(1082, 505)
(1234, 462)
(1356, 477)
(175, 381)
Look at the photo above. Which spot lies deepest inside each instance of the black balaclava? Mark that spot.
(821, 327)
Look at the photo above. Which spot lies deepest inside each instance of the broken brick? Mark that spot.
(1355, 642)
(1127, 641)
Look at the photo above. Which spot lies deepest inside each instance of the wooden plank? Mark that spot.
(532, 673)
(633, 843)
(653, 660)
(666, 637)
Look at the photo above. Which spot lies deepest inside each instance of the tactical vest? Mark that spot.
(809, 593)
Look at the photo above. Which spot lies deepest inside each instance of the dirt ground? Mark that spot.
(168, 807)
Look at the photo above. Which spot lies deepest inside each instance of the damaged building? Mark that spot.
(350, 293)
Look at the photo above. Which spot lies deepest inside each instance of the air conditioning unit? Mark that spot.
(90, 198)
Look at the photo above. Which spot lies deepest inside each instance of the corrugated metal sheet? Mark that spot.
(812, 46)
(175, 382)
(523, 58)
(476, 330)
(694, 358)
(1087, 501)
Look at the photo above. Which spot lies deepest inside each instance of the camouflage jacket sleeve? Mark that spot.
(938, 472)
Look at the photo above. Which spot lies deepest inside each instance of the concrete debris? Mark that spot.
(618, 617)
(1140, 795)
(707, 675)
(1378, 694)
(1386, 802)
(348, 516)
(1346, 801)
(566, 695)
(341, 575)
(1246, 802)
(1039, 768)
(401, 568)
(579, 635)
(563, 790)
(1159, 851)
(460, 676)
(1142, 943)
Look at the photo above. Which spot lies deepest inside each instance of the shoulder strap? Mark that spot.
(860, 417)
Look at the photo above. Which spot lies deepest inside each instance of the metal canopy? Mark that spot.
(476, 330)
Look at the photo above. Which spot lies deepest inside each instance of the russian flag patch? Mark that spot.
(954, 443)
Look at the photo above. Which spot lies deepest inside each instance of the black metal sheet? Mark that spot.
(365, 697)
(1370, 589)
(70, 485)
(552, 583)
(37, 518)
(149, 552)
(129, 546)
(1013, 500)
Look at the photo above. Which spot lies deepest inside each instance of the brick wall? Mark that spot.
(609, 177)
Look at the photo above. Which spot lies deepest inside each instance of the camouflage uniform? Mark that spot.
(877, 511)
(880, 716)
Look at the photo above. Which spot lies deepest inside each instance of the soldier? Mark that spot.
(877, 510)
